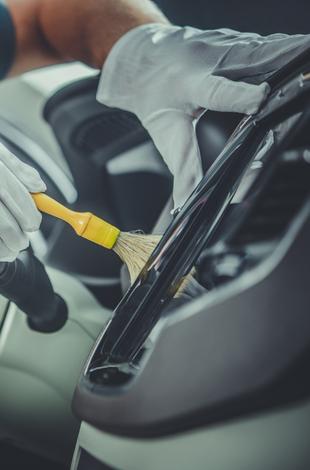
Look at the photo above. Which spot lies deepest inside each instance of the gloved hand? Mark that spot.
(18, 213)
(166, 75)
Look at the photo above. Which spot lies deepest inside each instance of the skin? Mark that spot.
(56, 31)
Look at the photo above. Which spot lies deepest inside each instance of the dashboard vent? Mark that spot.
(281, 199)
(105, 129)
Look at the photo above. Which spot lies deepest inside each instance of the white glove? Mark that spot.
(166, 75)
(18, 213)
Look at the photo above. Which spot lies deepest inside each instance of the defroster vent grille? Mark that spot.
(283, 196)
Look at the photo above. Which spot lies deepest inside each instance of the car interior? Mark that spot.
(100, 375)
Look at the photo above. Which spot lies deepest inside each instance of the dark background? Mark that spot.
(261, 16)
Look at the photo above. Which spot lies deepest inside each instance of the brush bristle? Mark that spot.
(134, 249)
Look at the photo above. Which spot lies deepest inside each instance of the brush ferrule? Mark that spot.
(101, 232)
(110, 237)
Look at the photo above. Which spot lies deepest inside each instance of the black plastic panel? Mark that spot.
(262, 17)
(88, 462)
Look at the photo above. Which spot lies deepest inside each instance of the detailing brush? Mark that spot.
(134, 249)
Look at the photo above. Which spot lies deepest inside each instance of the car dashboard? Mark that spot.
(223, 349)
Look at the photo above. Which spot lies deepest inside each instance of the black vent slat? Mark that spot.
(105, 129)
(281, 199)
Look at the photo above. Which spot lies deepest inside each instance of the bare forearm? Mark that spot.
(52, 31)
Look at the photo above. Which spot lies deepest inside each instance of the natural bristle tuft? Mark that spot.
(134, 250)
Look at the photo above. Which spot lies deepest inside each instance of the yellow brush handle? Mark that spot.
(77, 220)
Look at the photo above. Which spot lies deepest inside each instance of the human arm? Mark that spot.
(56, 31)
